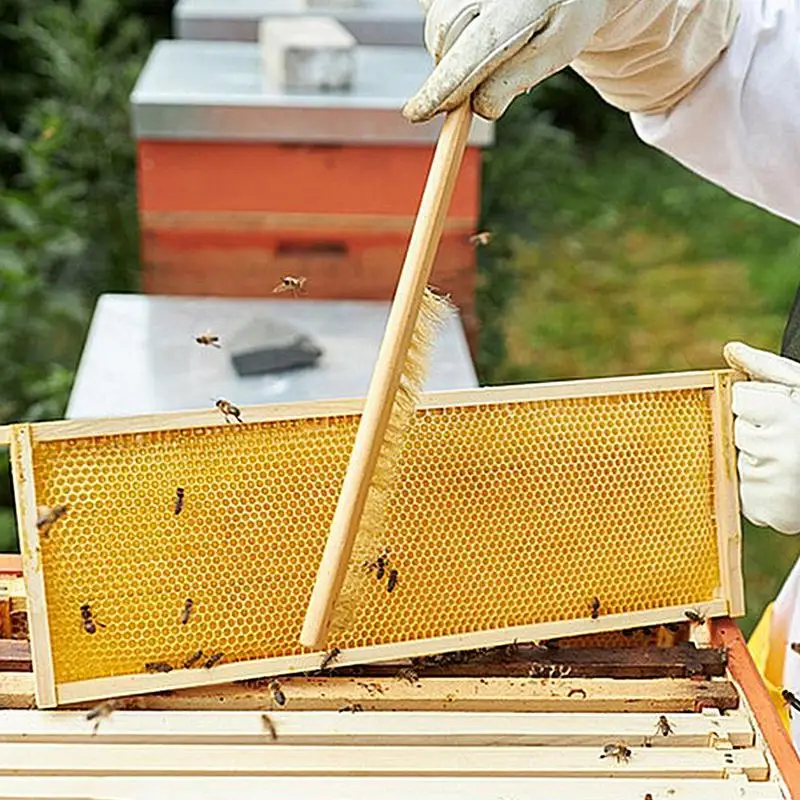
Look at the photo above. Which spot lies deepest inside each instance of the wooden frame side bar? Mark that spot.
(561, 390)
(122, 685)
(726, 496)
(38, 624)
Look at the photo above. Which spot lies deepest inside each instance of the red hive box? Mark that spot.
(240, 184)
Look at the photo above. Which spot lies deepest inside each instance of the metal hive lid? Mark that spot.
(372, 22)
(218, 91)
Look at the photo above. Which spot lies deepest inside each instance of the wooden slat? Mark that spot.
(447, 729)
(15, 655)
(433, 694)
(277, 759)
(210, 788)
(38, 621)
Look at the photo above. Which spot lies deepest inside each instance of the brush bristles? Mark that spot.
(369, 542)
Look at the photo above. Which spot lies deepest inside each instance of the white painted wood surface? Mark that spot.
(449, 729)
(383, 789)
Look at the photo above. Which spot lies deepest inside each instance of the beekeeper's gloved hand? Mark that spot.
(640, 55)
(767, 434)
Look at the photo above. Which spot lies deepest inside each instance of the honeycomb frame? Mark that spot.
(462, 587)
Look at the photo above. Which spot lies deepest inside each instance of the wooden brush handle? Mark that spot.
(422, 247)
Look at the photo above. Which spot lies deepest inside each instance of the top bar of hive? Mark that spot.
(512, 509)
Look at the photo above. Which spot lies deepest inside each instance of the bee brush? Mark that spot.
(392, 397)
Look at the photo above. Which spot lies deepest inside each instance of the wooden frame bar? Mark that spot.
(100, 688)
(368, 788)
(445, 729)
(495, 695)
(301, 760)
(38, 625)
(50, 695)
(180, 420)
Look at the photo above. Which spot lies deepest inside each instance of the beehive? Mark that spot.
(513, 508)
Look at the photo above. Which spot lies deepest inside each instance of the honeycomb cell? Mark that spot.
(499, 515)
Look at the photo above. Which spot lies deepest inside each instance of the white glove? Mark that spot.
(641, 55)
(767, 434)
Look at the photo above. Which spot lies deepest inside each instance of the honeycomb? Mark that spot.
(501, 515)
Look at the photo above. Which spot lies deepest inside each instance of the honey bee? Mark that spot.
(619, 751)
(192, 660)
(178, 501)
(47, 517)
(269, 726)
(229, 410)
(378, 566)
(354, 708)
(648, 796)
(392, 581)
(480, 238)
(290, 283)
(663, 727)
(99, 713)
(795, 647)
(695, 616)
(595, 608)
(157, 666)
(208, 338)
(90, 625)
(330, 657)
(277, 693)
(187, 611)
(791, 699)
(215, 659)
(408, 674)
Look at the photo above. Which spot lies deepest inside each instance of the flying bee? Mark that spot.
(157, 666)
(215, 659)
(330, 657)
(208, 338)
(47, 517)
(595, 606)
(408, 674)
(229, 410)
(178, 500)
(480, 238)
(277, 693)
(354, 708)
(192, 660)
(695, 616)
(619, 751)
(392, 581)
(99, 713)
(187, 611)
(378, 565)
(90, 624)
(663, 727)
(269, 727)
(290, 283)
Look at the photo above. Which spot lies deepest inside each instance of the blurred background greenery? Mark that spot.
(607, 257)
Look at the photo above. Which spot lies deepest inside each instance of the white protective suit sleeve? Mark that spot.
(740, 127)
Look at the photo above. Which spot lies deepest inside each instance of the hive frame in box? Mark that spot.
(729, 598)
